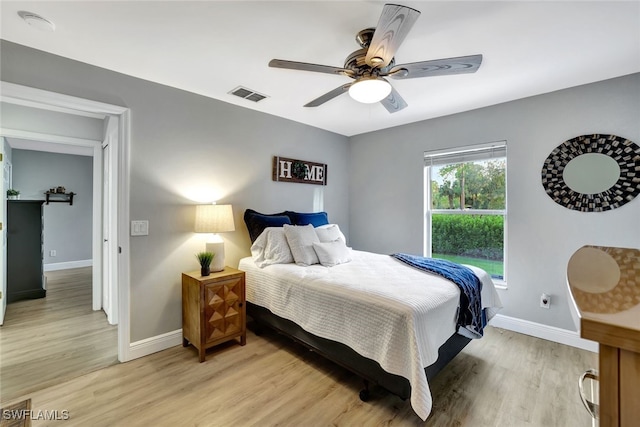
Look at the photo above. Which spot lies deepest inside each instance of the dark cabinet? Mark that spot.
(25, 279)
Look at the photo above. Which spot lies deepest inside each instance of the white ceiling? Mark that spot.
(211, 47)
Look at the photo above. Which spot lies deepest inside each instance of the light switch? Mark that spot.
(139, 228)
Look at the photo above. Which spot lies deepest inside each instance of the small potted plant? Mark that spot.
(205, 258)
(13, 194)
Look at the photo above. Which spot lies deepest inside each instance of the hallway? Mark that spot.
(47, 341)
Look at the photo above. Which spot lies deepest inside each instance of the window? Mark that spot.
(465, 205)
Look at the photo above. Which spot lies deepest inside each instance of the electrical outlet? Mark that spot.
(545, 300)
(53, 253)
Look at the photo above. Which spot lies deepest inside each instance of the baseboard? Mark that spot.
(161, 342)
(538, 330)
(67, 265)
(155, 344)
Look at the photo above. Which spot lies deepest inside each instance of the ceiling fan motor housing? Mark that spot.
(356, 61)
(364, 37)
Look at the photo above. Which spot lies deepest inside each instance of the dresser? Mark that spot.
(25, 277)
(604, 289)
(213, 309)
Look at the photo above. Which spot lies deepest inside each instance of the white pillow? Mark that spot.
(330, 233)
(271, 247)
(332, 253)
(301, 239)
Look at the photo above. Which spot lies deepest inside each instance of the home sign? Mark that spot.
(300, 171)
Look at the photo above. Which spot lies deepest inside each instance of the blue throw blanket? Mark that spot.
(470, 311)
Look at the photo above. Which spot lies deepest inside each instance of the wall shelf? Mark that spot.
(59, 197)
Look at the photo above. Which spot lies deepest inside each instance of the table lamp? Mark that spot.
(215, 219)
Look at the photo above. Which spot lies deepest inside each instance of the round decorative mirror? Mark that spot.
(593, 173)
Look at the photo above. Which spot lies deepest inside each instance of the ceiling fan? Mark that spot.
(375, 60)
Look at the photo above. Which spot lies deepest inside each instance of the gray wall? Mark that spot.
(184, 148)
(67, 228)
(50, 122)
(386, 186)
(7, 150)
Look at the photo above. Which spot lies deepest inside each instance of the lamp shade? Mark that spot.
(214, 219)
(369, 90)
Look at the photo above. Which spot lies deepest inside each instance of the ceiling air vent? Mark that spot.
(249, 94)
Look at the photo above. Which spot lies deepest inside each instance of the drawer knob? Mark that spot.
(592, 408)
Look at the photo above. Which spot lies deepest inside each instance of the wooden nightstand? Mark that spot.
(213, 309)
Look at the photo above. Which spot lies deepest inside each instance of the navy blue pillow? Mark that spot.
(256, 222)
(315, 218)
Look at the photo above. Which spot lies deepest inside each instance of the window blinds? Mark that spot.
(470, 153)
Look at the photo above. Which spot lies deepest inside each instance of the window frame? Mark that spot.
(465, 154)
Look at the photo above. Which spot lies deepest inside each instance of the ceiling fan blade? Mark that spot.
(393, 26)
(394, 102)
(303, 66)
(329, 95)
(437, 67)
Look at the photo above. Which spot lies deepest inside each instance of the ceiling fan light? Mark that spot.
(370, 90)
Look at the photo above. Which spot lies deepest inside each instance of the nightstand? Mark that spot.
(213, 309)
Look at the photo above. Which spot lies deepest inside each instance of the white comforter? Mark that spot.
(381, 308)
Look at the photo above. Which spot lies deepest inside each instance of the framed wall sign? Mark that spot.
(300, 171)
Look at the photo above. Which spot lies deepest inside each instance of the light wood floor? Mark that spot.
(50, 340)
(504, 379)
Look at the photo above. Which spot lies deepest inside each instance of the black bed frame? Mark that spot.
(367, 369)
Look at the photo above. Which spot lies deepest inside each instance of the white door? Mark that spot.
(106, 253)
(109, 222)
(4, 185)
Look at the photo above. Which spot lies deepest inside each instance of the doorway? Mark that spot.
(118, 262)
(48, 341)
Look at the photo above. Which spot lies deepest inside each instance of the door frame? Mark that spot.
(109, 212)
(38, 98)
(6, 167)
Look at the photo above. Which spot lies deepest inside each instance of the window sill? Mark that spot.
(500, 284)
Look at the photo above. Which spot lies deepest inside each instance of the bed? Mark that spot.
(390, 323)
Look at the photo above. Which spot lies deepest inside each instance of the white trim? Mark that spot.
(496, 212)
(28, 144)
(538, 330)
(32, 104)
(123, 260)
(6, 180)
(472, 153)
(46, 137)
(155, 344)
(55, 266)
(23, 95)
(487, 146)
(96, 244)
(53, 101)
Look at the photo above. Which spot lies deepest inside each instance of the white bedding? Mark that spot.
(381, 308)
